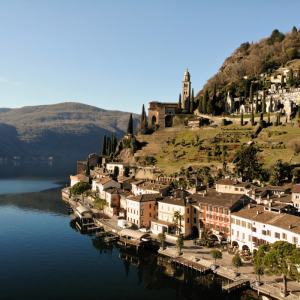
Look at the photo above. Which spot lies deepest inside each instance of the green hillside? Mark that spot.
(60, 130)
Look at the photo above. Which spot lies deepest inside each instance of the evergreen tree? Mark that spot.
(271, 105)
(87, 172)
(263, 107)
(130, 125)
(256, 103)
(109, 147)
(282, 80)
(252, 116)
(143, 117)
(294, 30)
(179, 103)
(215, 96)
(242, 119)
(116, 172)
(104, 145)
(204, 102)
(192, 103)
(251, 94)
(210, 107)
(200, 105)
(107, 142)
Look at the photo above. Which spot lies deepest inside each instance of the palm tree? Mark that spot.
(175, 219)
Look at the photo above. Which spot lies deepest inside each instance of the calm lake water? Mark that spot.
(43, 256)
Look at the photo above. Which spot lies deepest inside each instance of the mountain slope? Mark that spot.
(59, 130)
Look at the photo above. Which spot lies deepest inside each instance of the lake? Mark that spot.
(43, 256)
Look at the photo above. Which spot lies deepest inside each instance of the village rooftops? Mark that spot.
(296, 188)
(117, 164)
(285, 198)
(103, 180)
(126, 194)
(113, 190)
(144, 198)
(153, 186)
(233, 182)
(277, 189)
(137, 183)
(79, 176)
(127, 179)
(175, 201)
(219, 199)
(257, 213)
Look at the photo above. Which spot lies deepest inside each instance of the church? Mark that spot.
(162, 113)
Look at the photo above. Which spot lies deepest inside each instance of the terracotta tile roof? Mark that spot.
(220, 199)
(226, 181)
(258, 214)
(296, 188)
(285, 198)
(174, 201)
(144, 198)
(113, 190)
(104, 180)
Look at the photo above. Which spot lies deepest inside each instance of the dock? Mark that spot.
(236, 285)
(189, 264)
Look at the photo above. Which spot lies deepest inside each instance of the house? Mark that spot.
(259, 194)
(112, 196)
(165, 222)
(296, 196)
(123, 203)
(126, 182)
(212, 210)
(142, 209)
(232, 186)
(111, 166)
(146, 187)
(101, 184)
(78, 178)
(255, 225)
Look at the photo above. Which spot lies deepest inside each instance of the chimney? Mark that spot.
(279, 195)
(270, 203)
(290, 227)
(249, 206)
(268, 196)
(257, 212)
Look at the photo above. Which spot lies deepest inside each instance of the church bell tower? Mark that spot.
(186, 91)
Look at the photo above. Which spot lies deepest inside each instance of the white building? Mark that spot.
(256, 225)
(101, 184)
(78, 178)
(111, 166)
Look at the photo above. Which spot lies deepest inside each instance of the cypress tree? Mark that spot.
(107, 142)
(200, 105)
(143, 117)
(210, 108)
(204, 102)
(271, 105)
(263, 107)
(252, 116)
(294, 30)
(256, 103)
(87, 172)
(251, 95)
(192, 103)
(104, 145)
(109, 148)
(130, 125)
(179, 103)
(242, 119)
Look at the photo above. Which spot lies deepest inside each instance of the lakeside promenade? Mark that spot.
(270, 285)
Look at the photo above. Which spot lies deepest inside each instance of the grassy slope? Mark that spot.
(157, 146)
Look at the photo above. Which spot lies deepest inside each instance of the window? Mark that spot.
(150, 215)
(195, 210)
(201, 216)
(295, 240)
(241, 189)
(232, 220)
(243, 235)
(249, 226)
(237, 233)
(195, 221)
(238, 222)
(249, 238)
(277, 235)
(218, 228)
(269, 232)
(220, 210)
(236, 189)
(188, 210)
(263, 232)
(228, 229)
(227, 220)
(223, 228)
(297, 197)
(284, 236)
(253, 229)
(232, 231)
(188, 220)
(142, 212)
(149, 205)
(243, 224)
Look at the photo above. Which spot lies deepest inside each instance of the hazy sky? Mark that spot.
(122, 54)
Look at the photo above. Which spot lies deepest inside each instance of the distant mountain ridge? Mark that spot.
(60, 130)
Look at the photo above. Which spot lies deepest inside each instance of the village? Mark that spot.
(236, 212)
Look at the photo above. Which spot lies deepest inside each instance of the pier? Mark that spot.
(235, 285)
(189, 264)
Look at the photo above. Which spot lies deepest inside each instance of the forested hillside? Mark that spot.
(60, 130)
(251, 60)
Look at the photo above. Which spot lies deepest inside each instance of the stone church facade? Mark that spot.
(162, 113)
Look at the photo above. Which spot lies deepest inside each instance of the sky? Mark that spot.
(119, 55)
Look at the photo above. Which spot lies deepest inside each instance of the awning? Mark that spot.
(134, 234)
(83, 209)
(165, 223)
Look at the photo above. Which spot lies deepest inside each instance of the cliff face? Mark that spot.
(60, 130)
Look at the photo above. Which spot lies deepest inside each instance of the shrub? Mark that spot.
(275, 123)
(262, 123)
